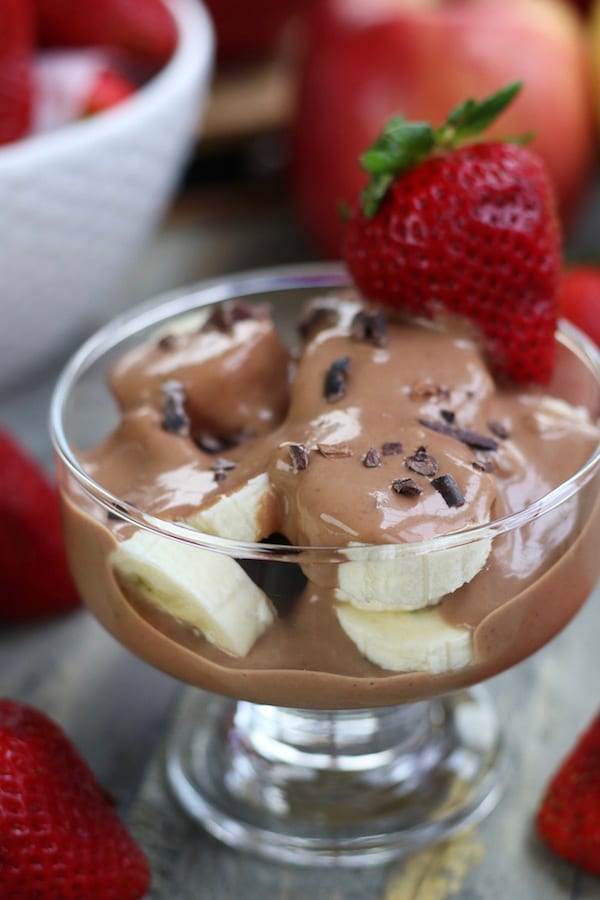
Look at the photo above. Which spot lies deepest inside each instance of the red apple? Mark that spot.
(247, 30)
(366, 61)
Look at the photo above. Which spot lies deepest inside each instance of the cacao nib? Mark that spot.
(407, 487)
(174, 417)
(315, 319)
(371, 458)
(422, 463)
(336, 378)
(370, 328)
(300, 456)
(450, 491)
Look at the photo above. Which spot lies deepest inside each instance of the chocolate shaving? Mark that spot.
(317, 318)
(422, 463)
(464, 435)
(334, 451)
(371, 459)
(407, 487)
(336, 377)
(499, 430)
(226, 314)
(174, 417)
(448, 488)
(300, 456)
(483, 465)
(221, 467)
(392, 448)
(448, 416)
(369, 327)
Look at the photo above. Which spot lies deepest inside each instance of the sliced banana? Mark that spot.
(554, 416)
(204, 589)
(418, 641)
(240, 516)
(375, 580)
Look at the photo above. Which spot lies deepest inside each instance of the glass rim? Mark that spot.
(185, 299)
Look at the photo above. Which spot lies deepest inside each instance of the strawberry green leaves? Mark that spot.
(470, 118)
(403, 145)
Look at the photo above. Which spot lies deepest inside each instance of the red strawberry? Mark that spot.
(59, 835)
(144, 28)
(471, 231)
(109, 89)
(568, 820)
(16, 48)
(579, 299)
(34, 578)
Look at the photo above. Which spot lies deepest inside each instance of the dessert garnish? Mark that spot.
(34, 578)
(448, 488)
(450, 224)
(174, 417)
(568, 819)
(408, 487)
(371, 459)
(370, 327)
(315, 318)
(465, 435)
(422, 463)
(59, 833)
(334, 386)
(226, 314)
(300, 456)
(334, 451)
(392, 448)
(221, 467)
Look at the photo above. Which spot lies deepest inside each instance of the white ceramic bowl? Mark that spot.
(77, 204)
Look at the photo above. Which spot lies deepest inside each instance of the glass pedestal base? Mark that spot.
(352, 787)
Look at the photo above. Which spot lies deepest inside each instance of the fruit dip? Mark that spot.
(372, 430)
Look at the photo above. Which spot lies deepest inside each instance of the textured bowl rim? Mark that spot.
(191, 60)
(301, 275)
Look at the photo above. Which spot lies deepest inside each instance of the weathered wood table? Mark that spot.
(117, 709)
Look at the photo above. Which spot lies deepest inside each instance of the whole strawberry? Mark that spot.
(34, 577)
(144, 28)
(59, 835)
(467, 230)
(568, 819)
(16, 50)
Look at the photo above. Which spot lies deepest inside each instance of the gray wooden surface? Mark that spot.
(117, 709)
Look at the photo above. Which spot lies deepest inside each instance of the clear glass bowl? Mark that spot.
(320, 755)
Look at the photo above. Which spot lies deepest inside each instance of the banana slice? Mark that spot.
(373, 582)
(418, 641)
(204, 589)
(244, 515)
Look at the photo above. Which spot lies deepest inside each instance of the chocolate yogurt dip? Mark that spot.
(380, 431)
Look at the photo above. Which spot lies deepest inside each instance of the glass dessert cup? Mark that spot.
(302, 750)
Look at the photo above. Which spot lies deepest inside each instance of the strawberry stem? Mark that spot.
(402, 144)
